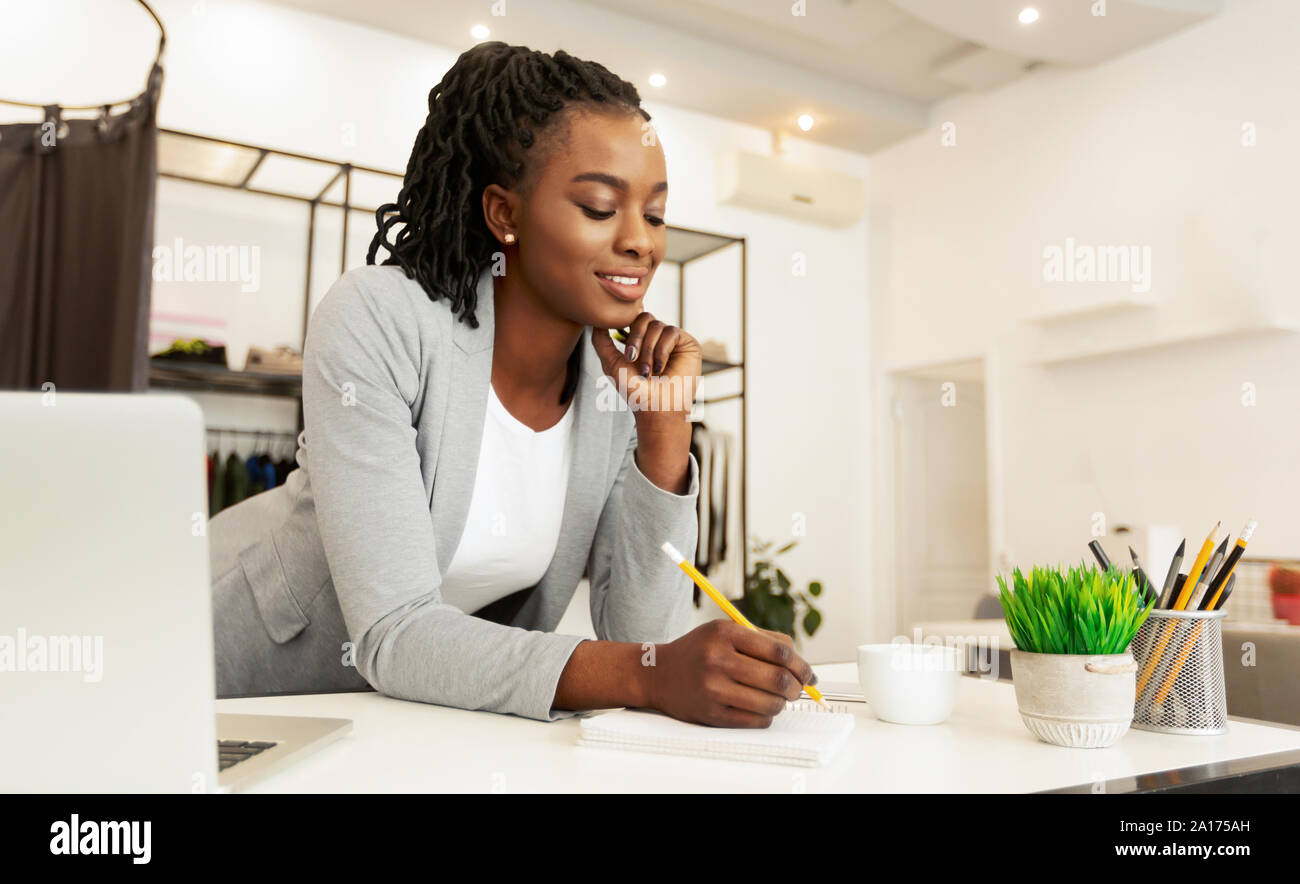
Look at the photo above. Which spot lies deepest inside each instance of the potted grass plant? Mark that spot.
(1073, 673)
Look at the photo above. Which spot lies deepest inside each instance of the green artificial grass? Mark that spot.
(1080, 611)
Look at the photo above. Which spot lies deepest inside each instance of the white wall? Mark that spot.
(1145, 150)
(268, 75)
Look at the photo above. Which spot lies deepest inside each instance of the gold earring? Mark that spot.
(510, 239)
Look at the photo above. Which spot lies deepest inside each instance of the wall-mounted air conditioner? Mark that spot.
(772, 184)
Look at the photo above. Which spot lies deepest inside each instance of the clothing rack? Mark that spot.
(252, 432)
(282, 440)
(235, 475)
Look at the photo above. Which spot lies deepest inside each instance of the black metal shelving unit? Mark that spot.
(349, 187)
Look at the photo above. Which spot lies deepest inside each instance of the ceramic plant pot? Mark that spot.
(1076, 700)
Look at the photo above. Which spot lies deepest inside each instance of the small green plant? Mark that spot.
(1080, 611)
(769, 602)
(191, 346)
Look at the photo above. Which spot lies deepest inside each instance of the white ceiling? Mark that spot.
(866, 70)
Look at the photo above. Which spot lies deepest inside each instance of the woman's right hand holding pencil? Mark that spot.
(725, 675)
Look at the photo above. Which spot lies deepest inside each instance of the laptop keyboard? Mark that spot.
(231, 752)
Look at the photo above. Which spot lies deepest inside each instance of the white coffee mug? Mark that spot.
(907, 683)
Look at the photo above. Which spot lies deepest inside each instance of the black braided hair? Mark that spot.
(495, 102)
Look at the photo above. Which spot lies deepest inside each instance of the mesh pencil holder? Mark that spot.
(1180, 673)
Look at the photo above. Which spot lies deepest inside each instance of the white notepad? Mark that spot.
(797, 736)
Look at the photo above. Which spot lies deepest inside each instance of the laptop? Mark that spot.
(106, 662)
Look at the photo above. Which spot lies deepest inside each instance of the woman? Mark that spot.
(464, 461)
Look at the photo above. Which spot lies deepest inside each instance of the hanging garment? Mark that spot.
(701, 447)
(236, 480)
(720, 509)
(256, 478)
(266, 471)
(217, 496)
(718, 501)
(726, 495)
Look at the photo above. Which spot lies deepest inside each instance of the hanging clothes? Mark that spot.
(217, 495)
(719, 506)
(261, 475)
(267, 466)
(283, 468)
(726, 495)
(236, 480)
(718, 498)
(702, 448)
(256, 481)
(712, 450)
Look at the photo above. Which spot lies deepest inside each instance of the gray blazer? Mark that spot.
(330, 581)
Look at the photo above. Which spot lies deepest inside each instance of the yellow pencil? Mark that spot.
(723, 602)
(1167, 630)
(1195, 574)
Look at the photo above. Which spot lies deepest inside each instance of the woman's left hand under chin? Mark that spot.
(658, 383)
(657, 373)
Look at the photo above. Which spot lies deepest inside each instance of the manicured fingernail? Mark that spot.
(659, 367)
(630, 353)
(645, 371)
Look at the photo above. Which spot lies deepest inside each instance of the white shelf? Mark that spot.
(1086, 352)
(1106, 306)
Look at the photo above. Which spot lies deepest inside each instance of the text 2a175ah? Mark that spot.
(1151, 827)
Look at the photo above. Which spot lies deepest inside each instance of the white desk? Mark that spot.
(400, 746)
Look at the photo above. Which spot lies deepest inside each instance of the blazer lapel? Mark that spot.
(469, 378)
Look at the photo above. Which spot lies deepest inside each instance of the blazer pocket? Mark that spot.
(281, 614)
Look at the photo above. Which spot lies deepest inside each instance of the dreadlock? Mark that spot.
(494, 103)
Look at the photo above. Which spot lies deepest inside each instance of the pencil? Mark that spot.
(1145, 589)
(1099, 554)
(1227, 591)
(1205, 575)
(724, 603)
(1167, 591)
(1225, 572)
(1167, 630)
(1197, 566)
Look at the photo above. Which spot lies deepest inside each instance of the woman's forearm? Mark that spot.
(663, 457)
(604, 675)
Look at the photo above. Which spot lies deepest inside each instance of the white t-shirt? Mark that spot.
(514, 516)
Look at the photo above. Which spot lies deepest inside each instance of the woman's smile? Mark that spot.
(626, 284)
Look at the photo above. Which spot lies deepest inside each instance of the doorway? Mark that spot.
(942, 505)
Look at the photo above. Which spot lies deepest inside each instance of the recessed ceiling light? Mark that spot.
(658, 80)
(805, 122)
(1028, 15)
(480, 32)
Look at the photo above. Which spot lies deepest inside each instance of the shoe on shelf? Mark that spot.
(280, 360)
(713, 350)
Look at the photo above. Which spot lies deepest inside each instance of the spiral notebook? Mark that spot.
(798, 736)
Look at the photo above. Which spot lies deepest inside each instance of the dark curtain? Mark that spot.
(76, 244)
